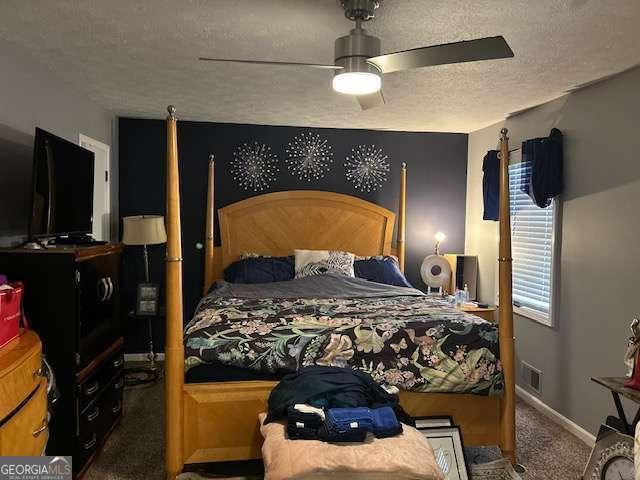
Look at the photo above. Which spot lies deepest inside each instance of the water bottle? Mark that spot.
(459, 294)
(465, 297)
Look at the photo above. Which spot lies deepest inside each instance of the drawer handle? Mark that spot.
(119, 384)
(42, 428)
(93, 415)
(92, 389)
(91, 443)
(118, 362)
(110, 287)
(39, 373)
(117, 407)
(103, 290)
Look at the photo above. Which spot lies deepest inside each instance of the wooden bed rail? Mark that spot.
(505, 311)
(402, 217)
(174, 348)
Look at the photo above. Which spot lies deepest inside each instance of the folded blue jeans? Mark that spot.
(347, 425)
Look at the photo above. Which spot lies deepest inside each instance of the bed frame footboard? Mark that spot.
(221, 419)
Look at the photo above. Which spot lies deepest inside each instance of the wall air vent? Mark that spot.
(532, 377)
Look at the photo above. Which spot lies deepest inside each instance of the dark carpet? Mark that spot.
(135, 449)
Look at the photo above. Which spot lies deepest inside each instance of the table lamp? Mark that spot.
(145, 230)
(440, 237)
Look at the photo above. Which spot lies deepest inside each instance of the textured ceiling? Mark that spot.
(136, 56)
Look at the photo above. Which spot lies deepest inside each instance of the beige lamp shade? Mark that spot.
(143, 230)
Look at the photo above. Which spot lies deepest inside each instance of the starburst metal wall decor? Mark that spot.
(309, 156)
(367, 167)
(254, 166)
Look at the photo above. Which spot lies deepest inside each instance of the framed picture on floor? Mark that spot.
(446, 442)
(433, 422)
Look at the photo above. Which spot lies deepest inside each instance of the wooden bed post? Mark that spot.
(174, 349)
(210, 228)
(505, 313)
(402, 215)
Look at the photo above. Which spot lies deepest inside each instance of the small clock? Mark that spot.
(611, 457)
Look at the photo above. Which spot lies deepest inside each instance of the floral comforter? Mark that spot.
(398, 335)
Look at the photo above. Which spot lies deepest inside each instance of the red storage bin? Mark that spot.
(11, 316)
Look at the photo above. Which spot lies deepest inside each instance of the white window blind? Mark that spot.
(532, 236)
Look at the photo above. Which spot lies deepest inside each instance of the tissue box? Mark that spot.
(10, 311)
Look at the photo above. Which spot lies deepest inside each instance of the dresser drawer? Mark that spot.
(108, 406)
(99, 418)
(98, 381)
(26, 432)
(23, 360)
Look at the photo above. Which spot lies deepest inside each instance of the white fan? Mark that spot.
(435, 271)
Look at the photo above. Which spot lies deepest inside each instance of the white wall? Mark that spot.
(31, 96)
(599, 267)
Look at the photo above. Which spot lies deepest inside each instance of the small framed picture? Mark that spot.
(147, 299)
(448, 449)
(433, 422)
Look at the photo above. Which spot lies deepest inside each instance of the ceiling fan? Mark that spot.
(358, 64)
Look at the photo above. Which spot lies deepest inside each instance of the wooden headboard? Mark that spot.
(278, 223)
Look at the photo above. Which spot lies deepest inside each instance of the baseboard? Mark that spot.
(141, 357)
(572, 427)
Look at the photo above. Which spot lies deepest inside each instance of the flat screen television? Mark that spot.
(62, 193)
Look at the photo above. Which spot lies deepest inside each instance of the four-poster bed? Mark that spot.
(208, 422)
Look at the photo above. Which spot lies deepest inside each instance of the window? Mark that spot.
(532, 237)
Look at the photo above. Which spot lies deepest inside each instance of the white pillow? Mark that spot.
(321, 262)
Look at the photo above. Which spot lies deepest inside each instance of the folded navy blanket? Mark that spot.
(345, 419)
(385, 423)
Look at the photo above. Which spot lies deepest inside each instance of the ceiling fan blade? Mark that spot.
(371, 100)
(458, 52)
(266, 62)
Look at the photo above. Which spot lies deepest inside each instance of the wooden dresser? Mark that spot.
(23, 397)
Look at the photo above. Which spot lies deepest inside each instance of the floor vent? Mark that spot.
(532, 377)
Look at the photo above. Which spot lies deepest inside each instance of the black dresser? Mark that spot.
(72, 302)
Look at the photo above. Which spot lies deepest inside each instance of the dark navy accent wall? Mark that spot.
(436, 190)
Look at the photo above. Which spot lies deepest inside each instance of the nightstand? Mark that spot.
(487, 313)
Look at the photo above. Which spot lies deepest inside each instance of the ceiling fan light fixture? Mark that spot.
(357, 83)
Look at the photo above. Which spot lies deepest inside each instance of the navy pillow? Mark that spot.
(261, 270)
(381, 271)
